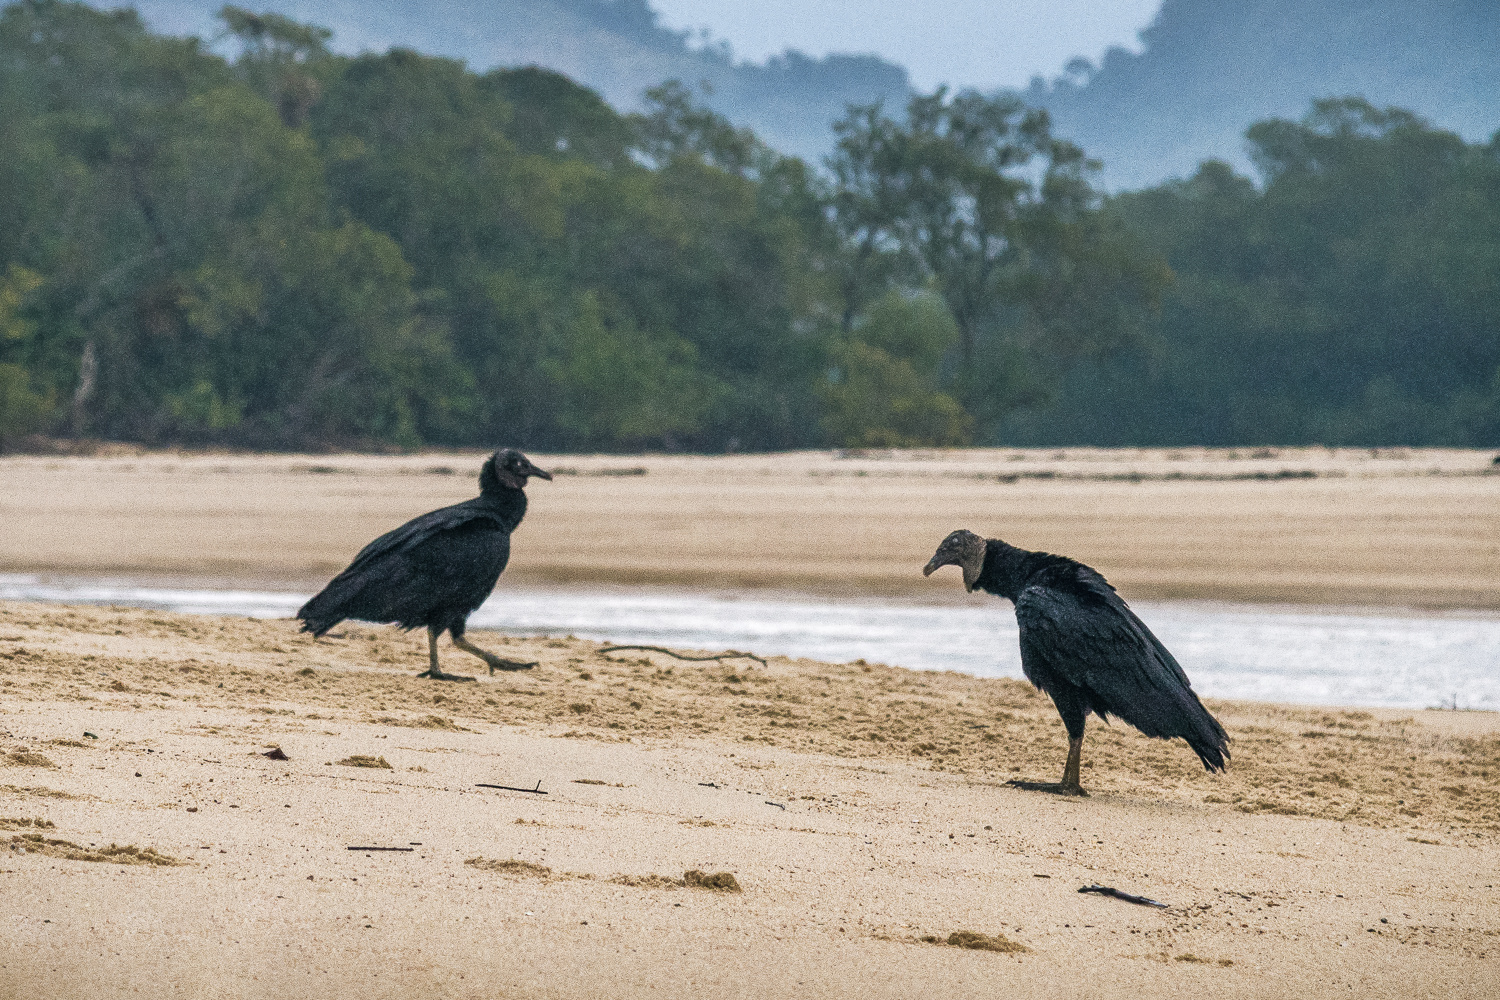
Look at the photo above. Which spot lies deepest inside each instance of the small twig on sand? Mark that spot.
(728, 654)
(1105, 890)
(511, 788)
(382, 848)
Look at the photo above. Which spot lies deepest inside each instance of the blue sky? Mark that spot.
(980, 43)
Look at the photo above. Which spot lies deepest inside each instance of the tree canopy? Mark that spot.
(1352, 297)
(288, 248)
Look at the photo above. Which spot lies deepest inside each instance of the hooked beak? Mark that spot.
(938, 561)
(532, 470)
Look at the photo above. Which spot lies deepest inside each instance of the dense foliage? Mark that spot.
(288, 248)
(294, 249)
(1353, 298)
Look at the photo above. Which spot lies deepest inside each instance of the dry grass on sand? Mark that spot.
(859, 810)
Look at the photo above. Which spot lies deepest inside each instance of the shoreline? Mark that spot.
(1362, 657)
(932, 596)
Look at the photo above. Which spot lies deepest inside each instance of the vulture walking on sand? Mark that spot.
(1083, 645)
(435, 570)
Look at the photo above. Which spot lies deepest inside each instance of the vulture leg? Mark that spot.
(433, 671)
(1069, 784)
(495, 662)
(1071, 707)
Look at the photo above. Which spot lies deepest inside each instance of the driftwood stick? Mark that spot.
(512, 788)
(728, 654)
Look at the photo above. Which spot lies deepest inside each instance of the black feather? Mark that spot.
(1081, 643)
(433, 571)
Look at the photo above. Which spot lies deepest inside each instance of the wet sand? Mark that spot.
(861, 810)
(1393, 527)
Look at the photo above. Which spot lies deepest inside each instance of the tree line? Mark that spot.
(280, 247)
(1352, 298)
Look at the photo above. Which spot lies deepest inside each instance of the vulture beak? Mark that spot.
(532, 470)
(938, 561)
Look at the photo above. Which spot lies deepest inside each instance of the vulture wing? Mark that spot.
(449, 558)
(1087, 635)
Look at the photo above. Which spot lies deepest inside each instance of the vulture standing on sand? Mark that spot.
(435, 569)
(1083, 645)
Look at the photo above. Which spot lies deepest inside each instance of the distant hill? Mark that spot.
(616, 47)
(1209, 69)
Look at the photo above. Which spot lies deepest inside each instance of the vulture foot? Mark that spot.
(1052, 787)
(495, 662)
(437, 675)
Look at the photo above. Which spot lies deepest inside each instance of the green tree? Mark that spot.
(868, 203)
(280, 59)
(554, 117)
(620, 386)
(882, 388)
(673, 127)
(1351, 298)
(23, 408)
(198, 283)
(1000, 217)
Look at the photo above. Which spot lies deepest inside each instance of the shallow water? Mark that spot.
(1317, 657)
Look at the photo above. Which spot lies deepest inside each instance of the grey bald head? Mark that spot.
(963, 549)
(508, 468)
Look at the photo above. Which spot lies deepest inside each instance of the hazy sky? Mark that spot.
(982, 43)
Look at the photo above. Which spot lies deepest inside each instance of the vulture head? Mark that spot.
(508, 468)
(963, 549)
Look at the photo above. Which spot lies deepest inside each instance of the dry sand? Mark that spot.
(1391, 527)
(861, 810)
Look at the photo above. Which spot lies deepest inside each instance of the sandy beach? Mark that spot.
(860, 809)
(787, 828)
(1392, 527)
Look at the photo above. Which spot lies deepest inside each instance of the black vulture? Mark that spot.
(1083, 645)
(436, 569)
